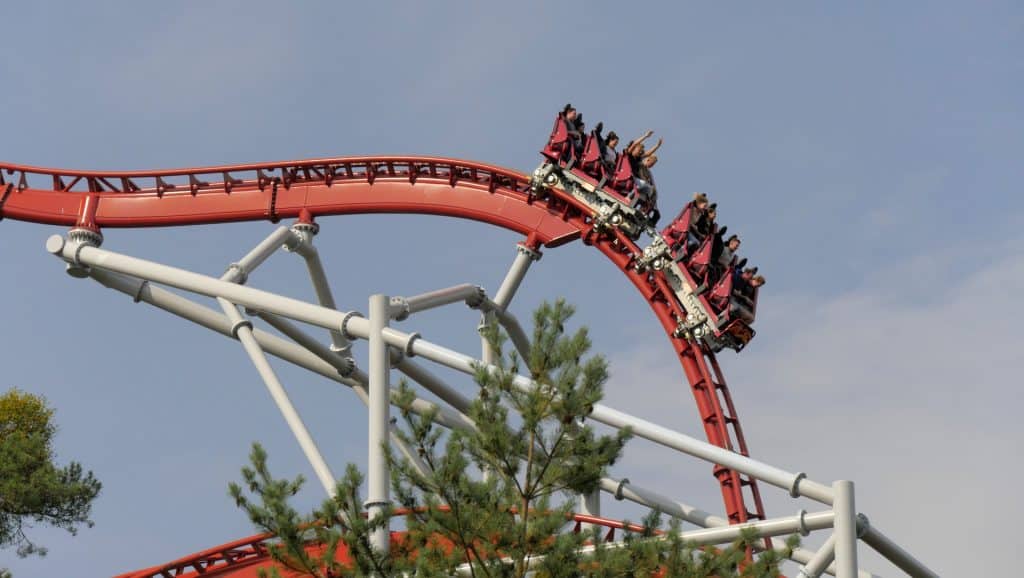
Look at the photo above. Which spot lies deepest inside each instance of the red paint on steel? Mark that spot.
(244, 558)
(354, 185)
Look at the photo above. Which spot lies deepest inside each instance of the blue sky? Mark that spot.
(869, 155)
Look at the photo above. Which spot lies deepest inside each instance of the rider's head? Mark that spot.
(700, 200)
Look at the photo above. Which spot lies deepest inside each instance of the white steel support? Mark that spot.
(239, 272)
(434, 384)
(506, 291)
(895, 554)
(589, 505)
(709, 537)
(525, 257)
(302, 244)
(511, 325)
(796, 484)
(243, 332)
(242, 328)
(179, 306)
(471, 294)
(487, 353)
(845, 529)
(377, 482)
(821, 559)
(344, 365)
(133, 276)
(762, 529)
(626, 490)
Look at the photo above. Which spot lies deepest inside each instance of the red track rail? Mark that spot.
(424, 185)
(243, 558)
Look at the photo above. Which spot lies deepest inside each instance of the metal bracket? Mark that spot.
(344, 323)
(618, 489)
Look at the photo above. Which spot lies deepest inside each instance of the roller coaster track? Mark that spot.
(96, 200)
(247, 554)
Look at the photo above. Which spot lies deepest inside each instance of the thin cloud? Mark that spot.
(911, 398)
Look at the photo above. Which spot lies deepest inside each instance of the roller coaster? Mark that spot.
(566, 199)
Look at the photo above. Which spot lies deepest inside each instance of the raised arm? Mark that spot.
(653, 149)
(639, 142)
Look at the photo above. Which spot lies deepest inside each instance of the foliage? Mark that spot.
(33, 489)
(532, 451)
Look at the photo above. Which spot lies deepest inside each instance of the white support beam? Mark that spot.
(243, 332)
(626, 490)
(762, 529)
(894, 553)
(821, 559)
(377, 478)
(712, 536)
(525, 257)
(110, 268)
(470, 294)
(302, 244)
(845, 529)
(344, 365)
(434, 384)
(796, 484)
(239, 272)
(242, 328)
(179, 306)
(511, 325)
(506, 291)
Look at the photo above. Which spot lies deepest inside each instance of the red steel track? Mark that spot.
(351, 185)
(245, 557)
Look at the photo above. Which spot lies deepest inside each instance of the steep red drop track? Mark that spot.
(337, 186)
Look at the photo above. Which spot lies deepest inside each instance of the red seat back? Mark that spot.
(558, 143)
(721, 293)
(590, 162)
(675, 232)
(622, 178)
(700, 261)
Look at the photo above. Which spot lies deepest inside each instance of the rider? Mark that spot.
(610, 155)
(574, 125)
(732, 245)
(677, 233)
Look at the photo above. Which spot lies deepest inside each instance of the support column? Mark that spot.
(821, 559)
(845, 529)
(589, 505)
(377, 493)
(525, 257)
(303, 232)
(242, 329)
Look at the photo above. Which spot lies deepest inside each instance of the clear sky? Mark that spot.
(869, 154)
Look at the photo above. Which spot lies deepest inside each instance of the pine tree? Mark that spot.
(34, 489)
(531, 451)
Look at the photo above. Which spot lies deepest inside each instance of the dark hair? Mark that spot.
(733, 237)
(567, 108)
(611, 136)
